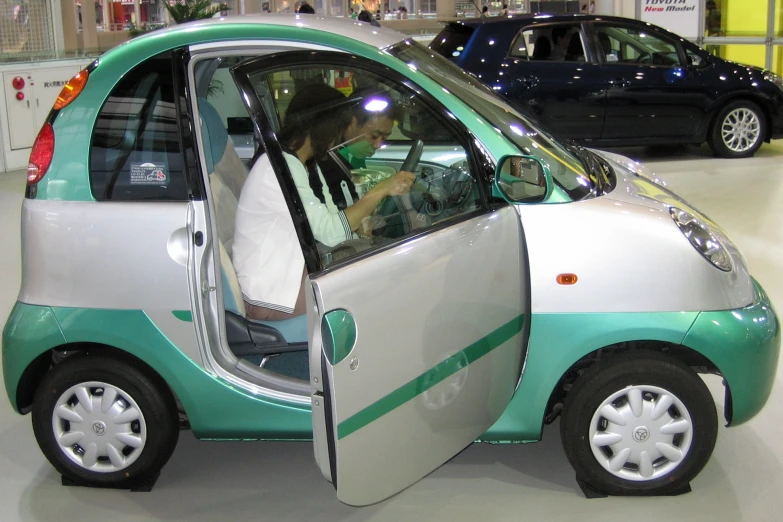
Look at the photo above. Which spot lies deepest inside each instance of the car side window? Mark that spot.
(556, 43)
(135, 153)
(634, 46)
(384, 123)
(217, 94)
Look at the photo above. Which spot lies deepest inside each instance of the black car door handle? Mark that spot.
(619, 83)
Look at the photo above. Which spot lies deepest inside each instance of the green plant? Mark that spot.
(135, 31)
(189, 10)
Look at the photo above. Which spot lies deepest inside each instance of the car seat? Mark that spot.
(542, 48)
(575, 52)
(227, 174)
(606, 47)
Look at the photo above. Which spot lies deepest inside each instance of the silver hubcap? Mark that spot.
(99, 427)
(741, 129)
(641, 433)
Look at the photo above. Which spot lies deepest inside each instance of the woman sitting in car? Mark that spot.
(266, 252)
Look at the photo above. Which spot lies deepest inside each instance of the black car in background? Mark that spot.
(605, 81)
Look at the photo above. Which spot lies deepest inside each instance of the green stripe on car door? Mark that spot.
(430, 378)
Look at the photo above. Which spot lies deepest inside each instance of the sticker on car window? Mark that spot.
(148, 174)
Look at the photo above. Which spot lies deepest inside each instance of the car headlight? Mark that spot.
(703, 237)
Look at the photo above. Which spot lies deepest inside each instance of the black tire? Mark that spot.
(157, 425)
(726, 118)
(614, 376)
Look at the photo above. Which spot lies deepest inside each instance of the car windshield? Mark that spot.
(567, 169)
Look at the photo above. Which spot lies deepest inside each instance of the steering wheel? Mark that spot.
(411, 218)
(645, 58)
(413, 157)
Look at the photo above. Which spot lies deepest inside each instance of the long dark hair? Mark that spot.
(321, 113)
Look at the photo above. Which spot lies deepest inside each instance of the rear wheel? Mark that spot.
(738, 130)
(101, 422)
(639, 423)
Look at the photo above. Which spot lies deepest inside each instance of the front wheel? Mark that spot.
(104, 423)
(639, 423)
(738, 130)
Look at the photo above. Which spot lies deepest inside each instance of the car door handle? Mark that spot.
(528, 81)
(619, 83)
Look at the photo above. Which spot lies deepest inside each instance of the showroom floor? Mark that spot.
(210, 481)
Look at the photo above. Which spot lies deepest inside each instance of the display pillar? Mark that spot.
(89, 30)
(68, 9)
(446, 9)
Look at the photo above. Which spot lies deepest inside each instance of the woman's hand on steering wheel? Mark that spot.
(399, 183)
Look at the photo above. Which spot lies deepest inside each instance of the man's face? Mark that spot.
(369, 137)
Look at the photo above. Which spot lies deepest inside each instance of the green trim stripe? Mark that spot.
(430, 378)
(183, 315)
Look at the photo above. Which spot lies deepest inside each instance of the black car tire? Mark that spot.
(745, 122)
(70, 401)
(589, 413)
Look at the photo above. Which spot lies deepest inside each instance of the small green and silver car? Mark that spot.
(520, 280)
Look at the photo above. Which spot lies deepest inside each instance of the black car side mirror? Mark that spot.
(696, 61)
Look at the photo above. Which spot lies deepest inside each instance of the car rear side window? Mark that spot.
(451, 41)
(559, 43)
(135, 154)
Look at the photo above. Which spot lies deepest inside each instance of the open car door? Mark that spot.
(416, 346)
(415, 352)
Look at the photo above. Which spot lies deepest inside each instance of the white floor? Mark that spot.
(211, 481)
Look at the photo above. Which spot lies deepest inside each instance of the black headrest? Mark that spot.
(575, 46)
(542, 48)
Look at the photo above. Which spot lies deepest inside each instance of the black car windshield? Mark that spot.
(567, 169)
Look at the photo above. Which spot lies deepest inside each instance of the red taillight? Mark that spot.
(72, 89)
(41, 156)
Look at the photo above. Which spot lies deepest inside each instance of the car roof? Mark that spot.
(547, 17)
(379, 37)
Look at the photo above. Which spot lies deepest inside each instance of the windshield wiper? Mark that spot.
(591, 165)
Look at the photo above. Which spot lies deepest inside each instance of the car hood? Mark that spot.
(638, 185)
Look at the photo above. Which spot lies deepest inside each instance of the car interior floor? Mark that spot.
(279, 480)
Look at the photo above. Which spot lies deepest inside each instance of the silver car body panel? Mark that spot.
(628, 255)
(632, 166)
(111, 255)
(415, 306)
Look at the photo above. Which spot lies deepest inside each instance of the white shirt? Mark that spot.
(266, 252)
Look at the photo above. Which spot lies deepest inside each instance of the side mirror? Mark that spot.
(695, 61)
(523, 179)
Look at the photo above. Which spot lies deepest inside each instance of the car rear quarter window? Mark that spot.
(135, 152)
(452, 40)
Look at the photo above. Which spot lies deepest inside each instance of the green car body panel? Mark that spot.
(218, 410)
(215, 408)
